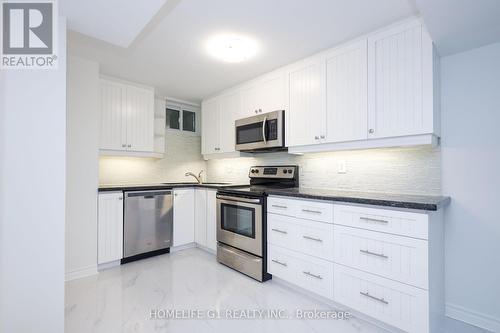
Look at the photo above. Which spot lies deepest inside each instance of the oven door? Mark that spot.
(239, 223)
(264, 131)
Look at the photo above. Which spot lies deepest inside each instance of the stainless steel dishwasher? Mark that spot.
(148, 224)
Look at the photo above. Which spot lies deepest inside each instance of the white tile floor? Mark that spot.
(121, 299)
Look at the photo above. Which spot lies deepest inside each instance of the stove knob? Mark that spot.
(285, 171)
(290, 170)
(256, 170)
(252, 171)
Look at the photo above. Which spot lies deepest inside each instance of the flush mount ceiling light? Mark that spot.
(231, 48)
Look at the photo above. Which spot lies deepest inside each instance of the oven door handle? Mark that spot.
(264, 125)
(225, 197)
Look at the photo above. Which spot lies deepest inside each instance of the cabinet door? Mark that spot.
(395, 74)
(140, 119)
(200, 217)
(183, 216)
(229, 109)
(271, 93)
(110, 227)
(249, 104)
(307, 109)
(212, 220)
(210, 127)
(346, 94)
(113, 129)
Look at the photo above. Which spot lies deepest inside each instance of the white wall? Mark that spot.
(82, 175)
(471, 176)
(33, 138)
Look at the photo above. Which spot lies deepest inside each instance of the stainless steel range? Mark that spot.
(241, 219)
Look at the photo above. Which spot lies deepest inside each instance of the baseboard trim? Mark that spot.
(472, 317)
(81, 272)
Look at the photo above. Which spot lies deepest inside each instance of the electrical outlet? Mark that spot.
(341, 166)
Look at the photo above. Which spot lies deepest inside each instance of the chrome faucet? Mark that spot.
(198, 178)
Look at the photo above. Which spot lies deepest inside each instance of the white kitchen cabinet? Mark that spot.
(400, 82)
(110, 227)
(346, 93)
(210, 126)
(127, 117)
(307, 108)
(184, 216)
(205, 218)
(212, 219)
(267, 94)
(229, 111)
(113, 132)
(200, 216)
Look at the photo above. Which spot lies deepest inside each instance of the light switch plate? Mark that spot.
(341, 166)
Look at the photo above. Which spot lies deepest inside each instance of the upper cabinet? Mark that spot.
(307, 108)
(210, 127)
(266, 94)
(127, 118)
(378, 90)
(400, 82)
(346, 93)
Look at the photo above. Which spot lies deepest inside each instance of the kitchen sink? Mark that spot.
(194, 183)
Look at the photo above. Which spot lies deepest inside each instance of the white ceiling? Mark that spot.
(169, 50)
(460, 25)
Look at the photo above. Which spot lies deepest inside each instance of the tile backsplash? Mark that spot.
(182, 154)
(414, 170)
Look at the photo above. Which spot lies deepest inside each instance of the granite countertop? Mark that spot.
(161, 186)
(408, 201)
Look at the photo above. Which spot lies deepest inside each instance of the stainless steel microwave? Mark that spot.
(262, 132)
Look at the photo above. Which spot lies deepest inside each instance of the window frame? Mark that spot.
(180, 106)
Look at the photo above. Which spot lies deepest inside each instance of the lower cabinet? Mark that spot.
(205, 218)
(384, 263)
(110, 227)
(184, 216)
(398, 304)
(308, 272)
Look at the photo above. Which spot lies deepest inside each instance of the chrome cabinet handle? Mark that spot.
(322, 136)
(316, 137)
(264, 124)
(129, 146)
(371, 131)
(369, 219)
(279, 262)
(367, 294)
(311, 211)
(313, 239)
(124, 145)
(260, 110)
(120, 198)
(313, 275)
(374, 254)
(280, 231)
(279, 206)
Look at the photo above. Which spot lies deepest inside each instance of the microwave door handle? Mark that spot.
(264, 124)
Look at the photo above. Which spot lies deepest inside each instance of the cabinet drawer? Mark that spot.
(399, 258)
(313, 274)
(305, 236)
(305, 209)
(389, 301)
(384, 220)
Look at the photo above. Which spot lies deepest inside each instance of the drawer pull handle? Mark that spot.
(366, 294)
(280, 231)
(313, 275)
(311, 211)
(313, 239)
(279, 262)
(369, 219)
(280, 206)
(374, 254)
